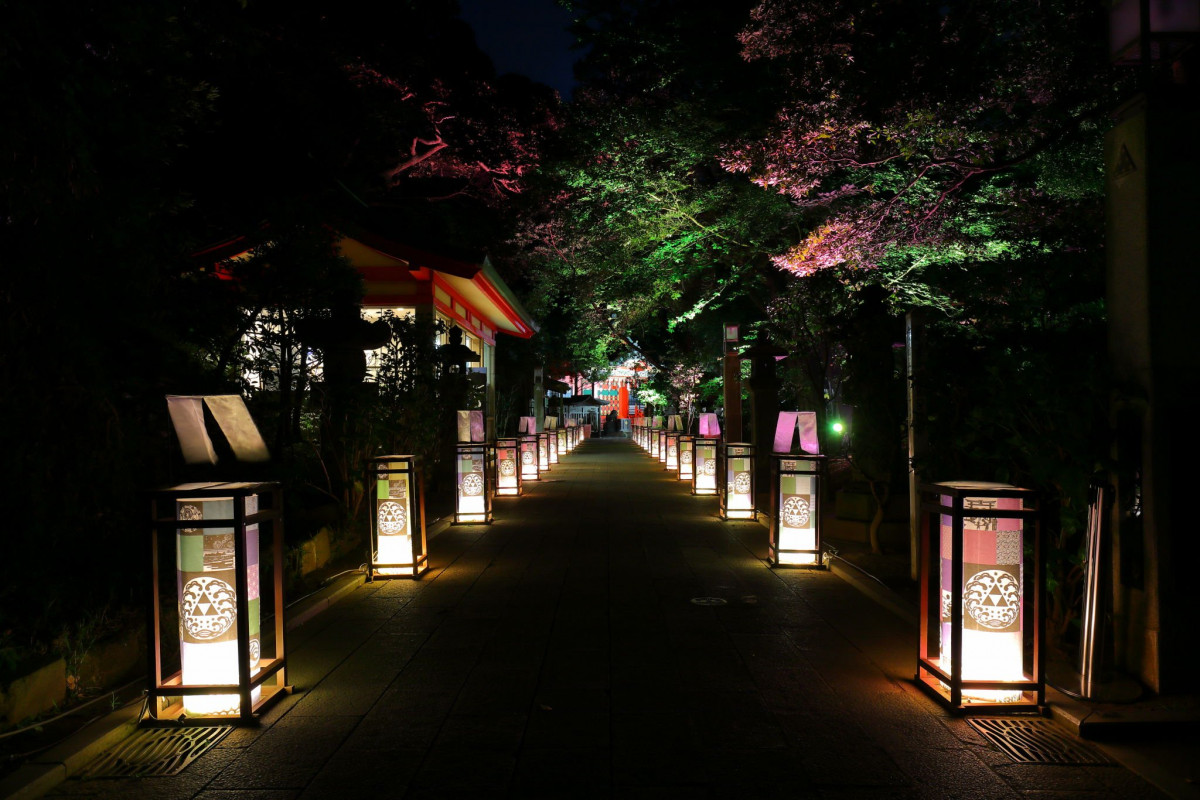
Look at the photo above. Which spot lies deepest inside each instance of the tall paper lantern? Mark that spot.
(224, 671)
(737, 495)
(795, 535)
(980, 641)
(687, 444)
(528, 445)
(508, 467)
(704, 476)
(398, 547)
(473, 471)
(473, 499)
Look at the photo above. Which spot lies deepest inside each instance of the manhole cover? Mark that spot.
(155, 752)
(1036, 741)
(708, 601)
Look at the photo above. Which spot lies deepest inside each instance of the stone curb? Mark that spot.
(871, 587)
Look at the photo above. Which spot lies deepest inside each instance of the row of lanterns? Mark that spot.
(981, 612)
(483, 470)
(713, 467)
(225, 542)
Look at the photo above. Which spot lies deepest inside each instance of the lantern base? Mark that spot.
(739, 515)
(388, 571)
(1029, 696)
(174, 715)
(472, 519)
(802, 559)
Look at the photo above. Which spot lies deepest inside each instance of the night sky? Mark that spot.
(525, 36)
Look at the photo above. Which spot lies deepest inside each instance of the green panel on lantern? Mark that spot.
(253, 609)
(741, 464)
(788, 484)
(191, 552)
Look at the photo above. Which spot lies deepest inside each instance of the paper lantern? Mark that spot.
(561, 433)
(398, 547)
(508, 467)
(687, 443)
(672, 451)
(543, 451)
(704, 475)
(981, 614)
(737, 490)
(795, 535)
(473, 496)
(227, 668)
(528, 446)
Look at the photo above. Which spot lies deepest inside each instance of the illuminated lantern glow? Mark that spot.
(223, 668)
(398, 517)
(737, 497)
(975, 627)
(704, 474)
(552, 445)
(795, 538)
(208, 603)
(508, 467)
(543, 451)
(562, 441)
(672, 445)
(686, 447)
(473, 499)
(528, 447)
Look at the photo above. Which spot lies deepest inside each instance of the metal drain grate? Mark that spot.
(1036, 741)
(155, 752)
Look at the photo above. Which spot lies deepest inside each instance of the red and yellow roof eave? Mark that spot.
(397, 275)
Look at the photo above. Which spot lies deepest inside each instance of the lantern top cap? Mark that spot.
(975, 485)
(979, 488)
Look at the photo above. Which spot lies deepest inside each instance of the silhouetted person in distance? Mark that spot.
(612, 424)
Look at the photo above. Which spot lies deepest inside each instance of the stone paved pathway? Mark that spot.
(558, 653)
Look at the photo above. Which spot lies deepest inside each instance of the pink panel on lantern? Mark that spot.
(709, 425)
(980, 547)
(808, 432)
(785, 428)
(470, 426)
(783, 431)
(528, 425)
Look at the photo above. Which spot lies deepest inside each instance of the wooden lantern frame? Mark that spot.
(783, 466)
(166, 692)
(948, 687)
(508, 447)
(728, 452)
(377, 468)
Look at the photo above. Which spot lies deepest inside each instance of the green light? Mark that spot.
(838, 427)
